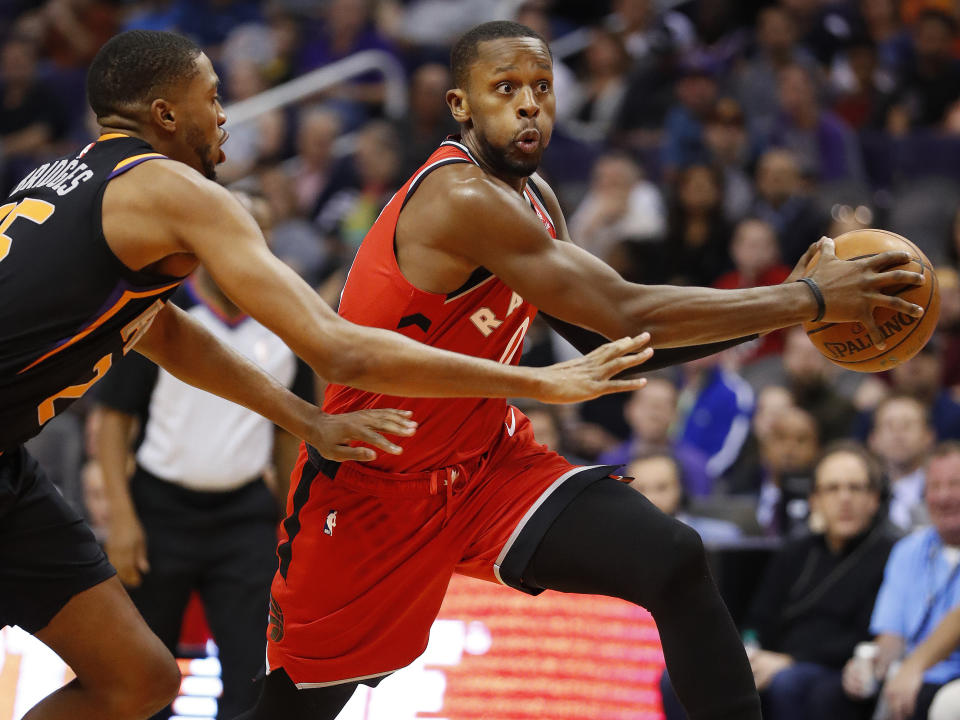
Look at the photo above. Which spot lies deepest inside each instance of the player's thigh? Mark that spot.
(102, 637)
(611, 540)
(47, 552)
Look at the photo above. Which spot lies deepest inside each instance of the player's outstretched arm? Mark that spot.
(206, 221)
(187, 350)
(567, 282)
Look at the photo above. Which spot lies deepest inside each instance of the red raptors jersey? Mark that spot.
(483, 318)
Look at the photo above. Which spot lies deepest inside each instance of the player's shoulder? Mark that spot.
(170, 185)
(466, 188)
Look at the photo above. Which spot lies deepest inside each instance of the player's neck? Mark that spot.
(124, 126)
(518, 183)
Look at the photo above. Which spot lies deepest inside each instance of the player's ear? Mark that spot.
(458, 104)
(163, 114)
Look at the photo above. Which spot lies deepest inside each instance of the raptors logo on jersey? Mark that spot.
(483, 318)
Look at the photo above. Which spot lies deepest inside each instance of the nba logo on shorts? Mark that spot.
(331, 523)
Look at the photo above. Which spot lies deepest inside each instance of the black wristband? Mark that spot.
(817, 295)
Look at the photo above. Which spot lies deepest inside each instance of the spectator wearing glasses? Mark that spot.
(921, 585)
(814, 603)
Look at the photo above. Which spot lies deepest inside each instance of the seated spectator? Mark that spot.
(350, 205)
(746, 473)
(695, 251)
(311, 169)
(718, 404)
(902, 437)
(258, 140)
(651, 414)
(812, 380)
(209, 22)
(647, 30)
(814, 602)
(787, 452)
(30, 116)
(620, 209)
(659, 477)
(902, 687)
(73, 30)
(930, 83)
(948, 326)
(755, 82)
(731, 151)
(882, 24)
(293, 238)
(346, 27)
(823, 146)
(654, 38)
(427, 121)
(602, 89)
(756, 262)
(920, 377)
(684, 143)
(783, 202)
(921, 585)
(861, 86)
(547, 426)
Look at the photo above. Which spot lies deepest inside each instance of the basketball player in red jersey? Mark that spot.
(91, 246)
(460, 259)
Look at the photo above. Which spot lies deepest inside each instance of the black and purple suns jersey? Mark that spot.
(69, 309)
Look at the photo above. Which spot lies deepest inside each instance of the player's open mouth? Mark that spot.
(223, 138)
(528, 141)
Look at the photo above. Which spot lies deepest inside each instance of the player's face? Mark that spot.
(202, 118)
(510, 105)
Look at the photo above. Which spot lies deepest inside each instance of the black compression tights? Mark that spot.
(610, 540)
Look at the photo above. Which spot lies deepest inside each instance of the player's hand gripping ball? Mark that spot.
(848, 344)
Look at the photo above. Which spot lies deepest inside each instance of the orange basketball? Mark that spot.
(848, 344)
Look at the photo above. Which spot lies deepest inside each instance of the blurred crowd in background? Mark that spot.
(698, 142)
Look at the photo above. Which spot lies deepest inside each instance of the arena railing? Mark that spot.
(315, 81)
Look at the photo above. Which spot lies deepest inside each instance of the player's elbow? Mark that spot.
(342, 359)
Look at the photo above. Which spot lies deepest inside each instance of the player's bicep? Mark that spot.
(228, 243)
(565, 281)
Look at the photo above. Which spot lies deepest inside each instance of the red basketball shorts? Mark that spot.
(365, 556)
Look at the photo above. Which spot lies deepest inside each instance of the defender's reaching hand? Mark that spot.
(333, 434)
(590, 376)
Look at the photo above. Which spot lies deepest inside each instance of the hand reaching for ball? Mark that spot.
(880, 294)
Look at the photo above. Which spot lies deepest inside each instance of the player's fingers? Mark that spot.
(401, 417)
(343, 453)
(873, 330)
(620, 364)
(897, 277)
(890, 258)
(897, 304)
(620, 347)
(390, 424)
(370, 437)
(828, 248)
(615, 386)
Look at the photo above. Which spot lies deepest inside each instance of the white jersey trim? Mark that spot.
(529, 514)
(310, 686)
(470, 290)
(463, 147)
